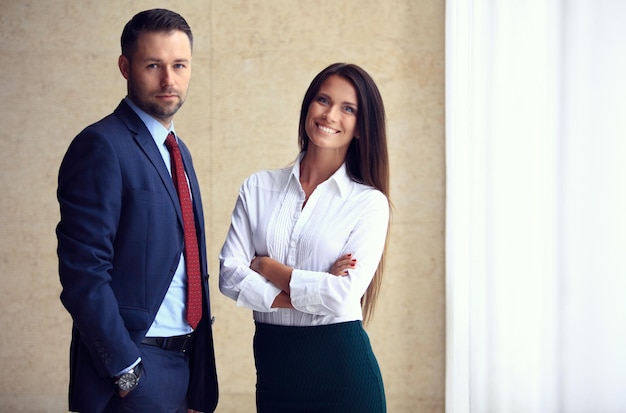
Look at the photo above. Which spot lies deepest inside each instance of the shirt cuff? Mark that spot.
(258, 294)
(304, 290)
(129, 368)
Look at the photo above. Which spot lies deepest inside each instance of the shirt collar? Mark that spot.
(339, 179)
(156, 129)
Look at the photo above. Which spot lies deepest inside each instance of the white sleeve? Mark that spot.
(237, 281)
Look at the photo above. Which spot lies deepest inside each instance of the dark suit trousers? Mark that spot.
(162, 387)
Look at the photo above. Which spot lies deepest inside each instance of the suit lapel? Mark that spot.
(144, 140)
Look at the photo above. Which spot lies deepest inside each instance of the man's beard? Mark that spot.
(162, 112)
(153, 108)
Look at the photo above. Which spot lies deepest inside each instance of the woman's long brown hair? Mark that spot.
(367, 160)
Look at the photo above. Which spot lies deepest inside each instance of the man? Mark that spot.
(125, 265)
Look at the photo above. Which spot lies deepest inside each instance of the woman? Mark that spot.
(304, 252)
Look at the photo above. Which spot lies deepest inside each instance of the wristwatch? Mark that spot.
(129, 380)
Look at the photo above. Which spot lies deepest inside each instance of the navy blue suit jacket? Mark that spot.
(119, 241)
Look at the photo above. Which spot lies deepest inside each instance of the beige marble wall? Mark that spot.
(253, 60)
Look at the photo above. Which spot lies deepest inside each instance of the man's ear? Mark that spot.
(124, 66)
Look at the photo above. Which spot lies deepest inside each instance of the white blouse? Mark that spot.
(340, 217)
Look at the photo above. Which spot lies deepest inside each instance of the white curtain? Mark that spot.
(536, 206)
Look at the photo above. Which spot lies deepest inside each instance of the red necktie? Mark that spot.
(192, 257)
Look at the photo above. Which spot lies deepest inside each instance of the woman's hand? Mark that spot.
(342, 265)
(256, 264)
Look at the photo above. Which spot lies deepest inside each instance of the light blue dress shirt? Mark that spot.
(171, 318)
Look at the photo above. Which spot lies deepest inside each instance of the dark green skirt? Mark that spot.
(326, 369)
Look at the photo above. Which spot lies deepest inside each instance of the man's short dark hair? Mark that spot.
(154, 20)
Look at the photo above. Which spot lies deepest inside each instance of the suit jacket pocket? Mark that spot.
(135, 319)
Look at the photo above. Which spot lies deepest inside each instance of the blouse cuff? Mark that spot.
(258, 294)
(304, 290)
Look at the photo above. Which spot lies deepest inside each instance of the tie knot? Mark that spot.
(170, 141)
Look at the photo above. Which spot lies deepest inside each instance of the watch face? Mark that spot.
(127, 381)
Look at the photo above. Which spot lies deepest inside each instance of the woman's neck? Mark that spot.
(318, 166)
